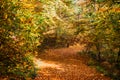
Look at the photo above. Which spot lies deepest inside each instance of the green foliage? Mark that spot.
(18, 38)
(91, 63)
(25, 25)
(101, 69)
(101, 32)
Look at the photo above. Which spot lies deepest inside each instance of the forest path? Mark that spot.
(65, 64)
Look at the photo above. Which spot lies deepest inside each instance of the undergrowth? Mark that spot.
(104, 67)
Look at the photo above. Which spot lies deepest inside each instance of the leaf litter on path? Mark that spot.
(65, 64)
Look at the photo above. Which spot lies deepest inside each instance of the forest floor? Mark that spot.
(66, 64)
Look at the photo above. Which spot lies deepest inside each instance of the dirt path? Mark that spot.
(65, 64)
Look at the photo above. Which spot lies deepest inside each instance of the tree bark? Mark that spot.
(99, 53)
(118, 56)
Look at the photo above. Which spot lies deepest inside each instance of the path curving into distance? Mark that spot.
(65, 64)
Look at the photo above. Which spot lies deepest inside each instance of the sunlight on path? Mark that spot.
(39, 64)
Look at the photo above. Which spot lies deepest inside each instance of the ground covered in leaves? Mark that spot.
(65, 64)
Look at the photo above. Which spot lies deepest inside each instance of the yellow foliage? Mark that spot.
(9, 21)
(28, 6)
(112, 10)
(11, 33)
(102, 10)
(22, 19)
(115, 10)
(24, 63)
(5, 16)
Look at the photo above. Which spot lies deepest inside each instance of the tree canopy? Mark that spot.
(29, 25)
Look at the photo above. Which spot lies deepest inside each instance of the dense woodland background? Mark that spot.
(28, 27)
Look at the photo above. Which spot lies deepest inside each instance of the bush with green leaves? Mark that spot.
(18, 38)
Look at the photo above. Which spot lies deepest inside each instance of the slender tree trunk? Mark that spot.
(118, 56)
(99, 56)
(99, 52)
(67, 45)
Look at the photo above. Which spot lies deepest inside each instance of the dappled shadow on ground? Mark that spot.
(65, 64)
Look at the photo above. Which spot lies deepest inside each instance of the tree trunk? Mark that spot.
(118, 56)
(99, 53)
(99, 56)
